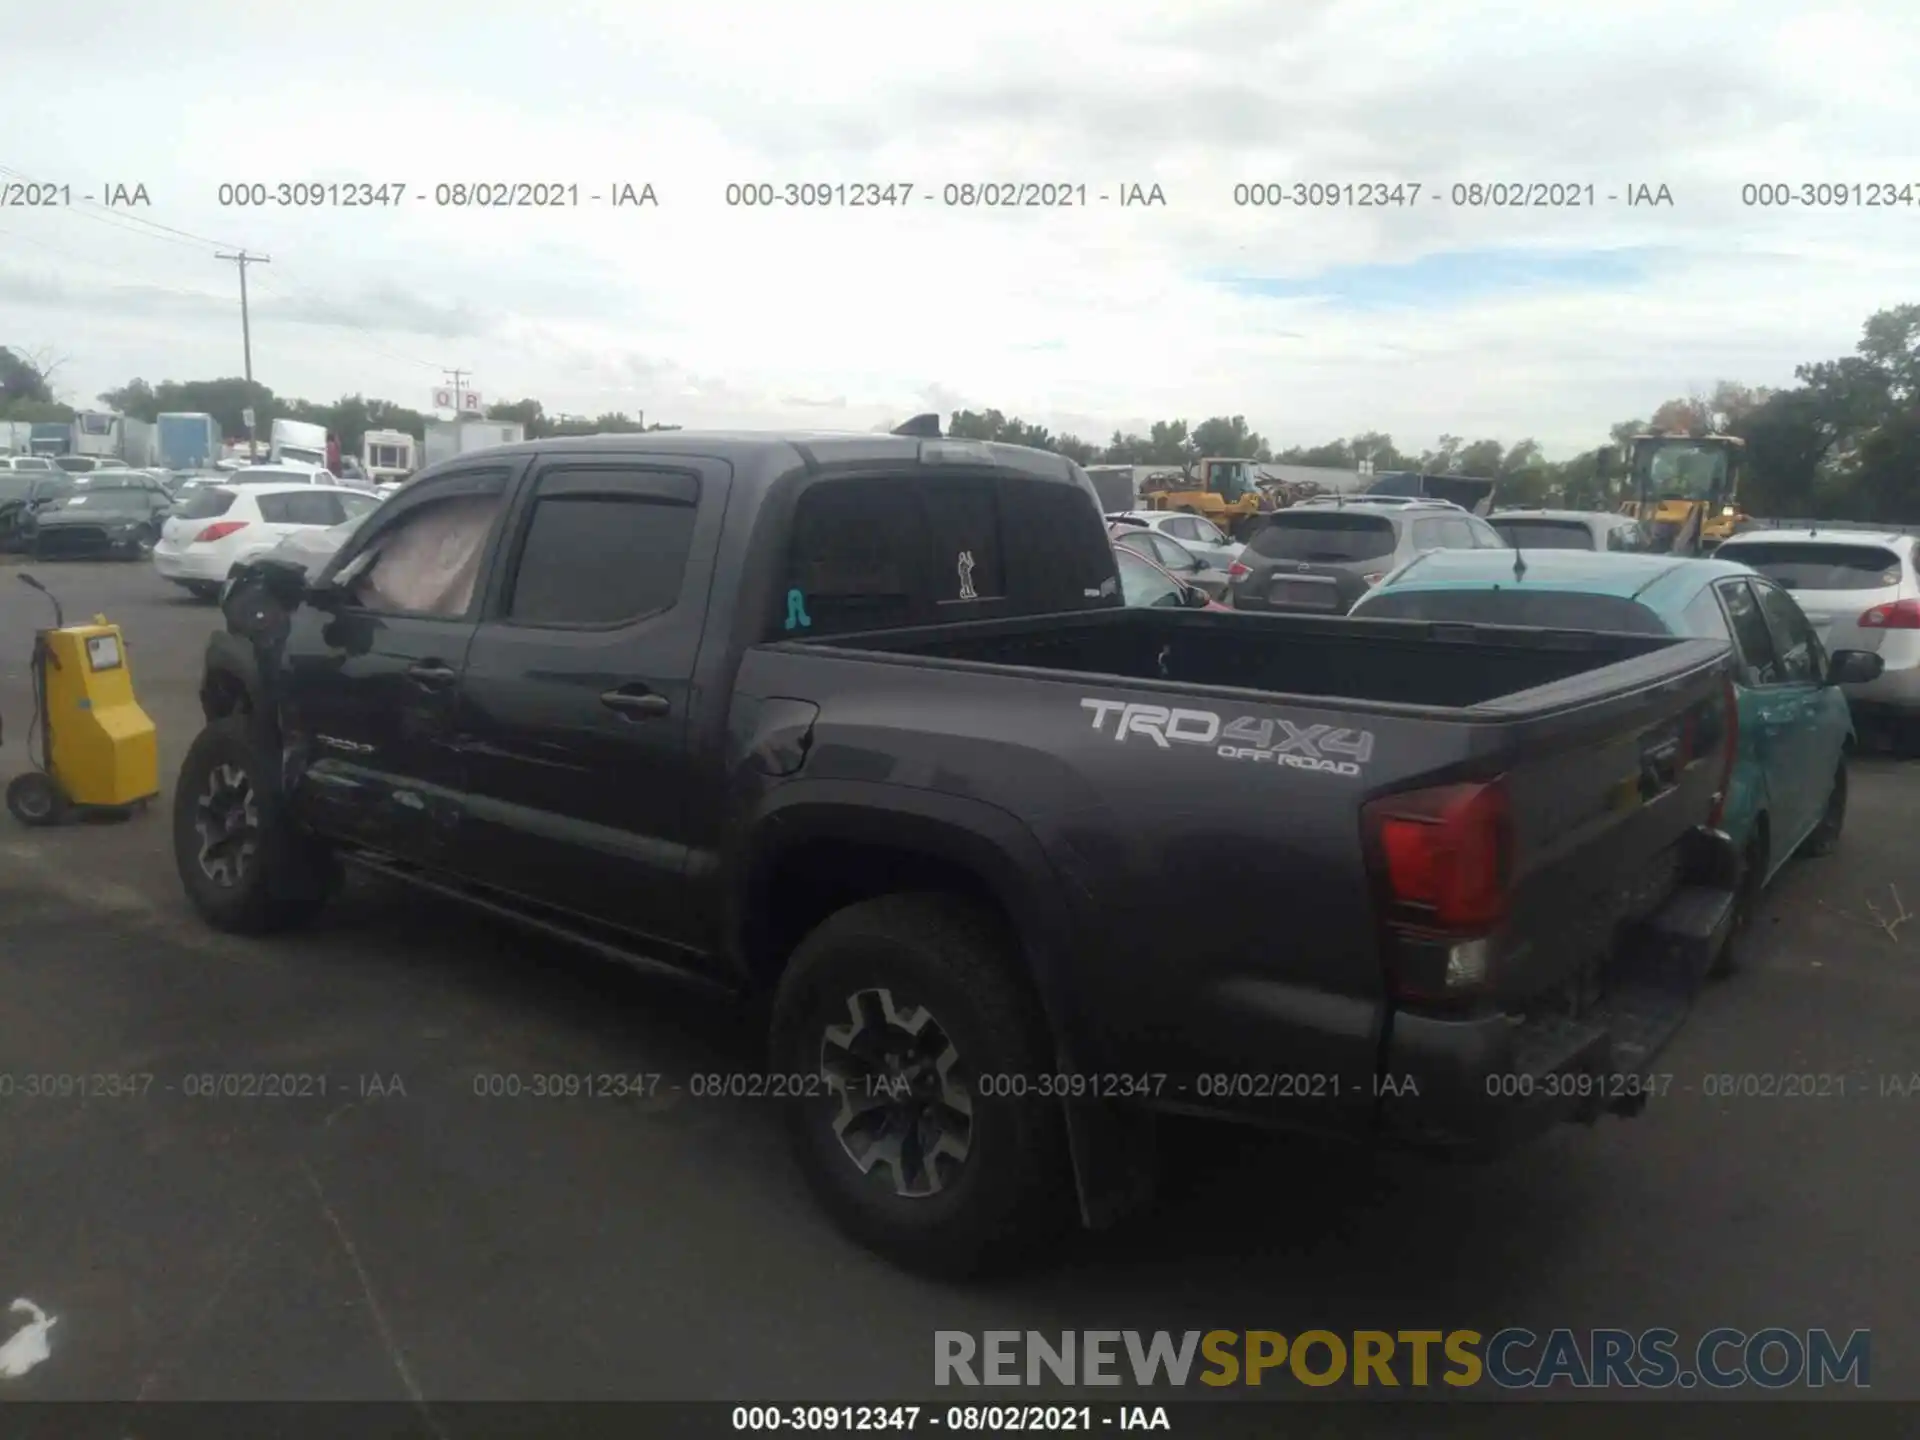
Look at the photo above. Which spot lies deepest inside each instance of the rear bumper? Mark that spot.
(1489, 1083)
(177, 564)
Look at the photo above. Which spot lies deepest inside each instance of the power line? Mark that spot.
(145, 284)
(127, 275)
(124, 219)
(154, 230)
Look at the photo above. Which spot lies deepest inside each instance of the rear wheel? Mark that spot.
(203, 589)
(898, 1017)
(245, 867)
(141, 546)
(1826, 834)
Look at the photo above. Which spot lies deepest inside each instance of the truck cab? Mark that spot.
(298, 442)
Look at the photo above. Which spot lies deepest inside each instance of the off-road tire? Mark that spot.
(286, 879)
(1013, 1190)
(1826, 834)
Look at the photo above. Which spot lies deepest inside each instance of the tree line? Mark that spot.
(1843, 442)
(26, 394)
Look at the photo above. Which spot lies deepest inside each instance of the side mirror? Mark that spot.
(1194, 598)
(1854, 667)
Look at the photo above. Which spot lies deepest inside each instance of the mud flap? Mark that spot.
(1115, 1159)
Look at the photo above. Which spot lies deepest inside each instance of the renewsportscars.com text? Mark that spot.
(1771, 1358)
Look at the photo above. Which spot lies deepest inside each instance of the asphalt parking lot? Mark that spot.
(403, 1236)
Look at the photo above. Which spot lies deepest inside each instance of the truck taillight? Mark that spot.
(1375, 578)
(218, 532)
(1730, 752)
(1898, 615)
(1447, 854)
(1237, 571)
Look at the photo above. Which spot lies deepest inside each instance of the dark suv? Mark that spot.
(1321, 557)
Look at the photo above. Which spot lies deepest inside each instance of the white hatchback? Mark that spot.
(1199, 534)
(219, 527)
(1861, 589)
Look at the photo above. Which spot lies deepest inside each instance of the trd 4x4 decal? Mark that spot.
(1250, 738)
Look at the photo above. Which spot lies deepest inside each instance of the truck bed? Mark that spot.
(1392, 663)
(1199, 783)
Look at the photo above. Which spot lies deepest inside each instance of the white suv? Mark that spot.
(219, 527)
(1861, 589)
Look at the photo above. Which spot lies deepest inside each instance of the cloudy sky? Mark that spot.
(1416, 318)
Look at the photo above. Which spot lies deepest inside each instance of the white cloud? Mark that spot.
(1086, 318)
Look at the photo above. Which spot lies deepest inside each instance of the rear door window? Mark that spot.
(1818, 566)
(1545, 534)
(1324, 537)
(1456, 534)
(604, 546)
(1751, 636)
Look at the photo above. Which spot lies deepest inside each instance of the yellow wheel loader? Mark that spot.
(1683, 489)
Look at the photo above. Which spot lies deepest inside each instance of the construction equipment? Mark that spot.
(1220, 488)
(98, 751)
(1684, 489)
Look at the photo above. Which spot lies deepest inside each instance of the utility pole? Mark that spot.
(454, 377)
(243, 259)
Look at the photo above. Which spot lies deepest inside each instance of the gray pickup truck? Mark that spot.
(860, 724)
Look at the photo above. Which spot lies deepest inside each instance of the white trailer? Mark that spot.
(447, 438)
(106, 436)
(389, 455)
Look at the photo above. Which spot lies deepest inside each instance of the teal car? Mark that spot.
(1789, 786)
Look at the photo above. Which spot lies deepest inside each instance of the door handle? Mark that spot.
(637, 704)
(432, 674)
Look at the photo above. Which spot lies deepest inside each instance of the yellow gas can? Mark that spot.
(101, 749)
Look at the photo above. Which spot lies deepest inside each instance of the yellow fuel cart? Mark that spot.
(98, 752)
